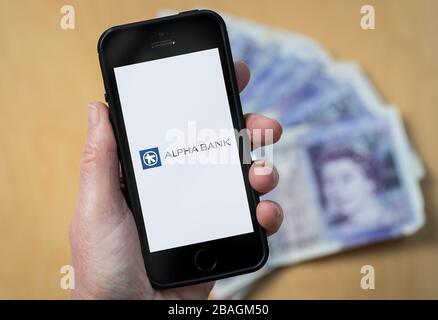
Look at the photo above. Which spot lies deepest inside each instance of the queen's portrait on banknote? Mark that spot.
(361, 192)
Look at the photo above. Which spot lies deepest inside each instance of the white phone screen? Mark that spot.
(183, 149)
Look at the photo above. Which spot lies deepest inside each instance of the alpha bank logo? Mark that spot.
(150, 158)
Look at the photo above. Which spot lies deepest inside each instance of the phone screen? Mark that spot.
(183, 149)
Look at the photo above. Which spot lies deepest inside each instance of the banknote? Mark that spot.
(347, 184)
(341, 92)
(294, 80)
(342, 185)
(349, 174)
(280, 63)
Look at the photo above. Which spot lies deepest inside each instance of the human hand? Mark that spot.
(104, 241)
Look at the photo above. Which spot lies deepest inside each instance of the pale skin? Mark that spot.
(105, 247)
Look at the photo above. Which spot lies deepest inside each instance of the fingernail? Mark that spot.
(277, 176)
(279, 212)
(262, 168)
(259, 163)
(93, 115)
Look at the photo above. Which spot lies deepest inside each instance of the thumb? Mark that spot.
(99, 185)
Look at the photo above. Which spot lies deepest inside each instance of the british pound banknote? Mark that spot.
(348, 173)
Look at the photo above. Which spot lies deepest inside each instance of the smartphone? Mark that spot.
(175, 109)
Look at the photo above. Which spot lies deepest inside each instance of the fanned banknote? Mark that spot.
(348, 174)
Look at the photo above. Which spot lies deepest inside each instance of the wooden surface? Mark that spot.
(48, 75)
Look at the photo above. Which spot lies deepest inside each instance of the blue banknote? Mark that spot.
(343, 185)
(349, 175)
(348, 184)
(277, 70)
(293, 78)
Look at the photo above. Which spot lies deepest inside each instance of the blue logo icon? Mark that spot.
(150, 158)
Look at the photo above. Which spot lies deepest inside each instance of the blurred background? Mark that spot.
(48, 75)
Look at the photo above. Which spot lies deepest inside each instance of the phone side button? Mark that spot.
(205, 260)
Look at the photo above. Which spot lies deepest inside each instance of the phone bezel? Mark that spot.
(192, 31)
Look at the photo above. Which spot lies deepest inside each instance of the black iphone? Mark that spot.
(175, 109)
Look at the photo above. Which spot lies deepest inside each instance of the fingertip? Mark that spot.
(101, 107)
(270, 216)
(98, 104)
(278, 129)
(100, 142)
(271, 123)
(98, 116)
(270, 130)
(243, 74)
(263, 176)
